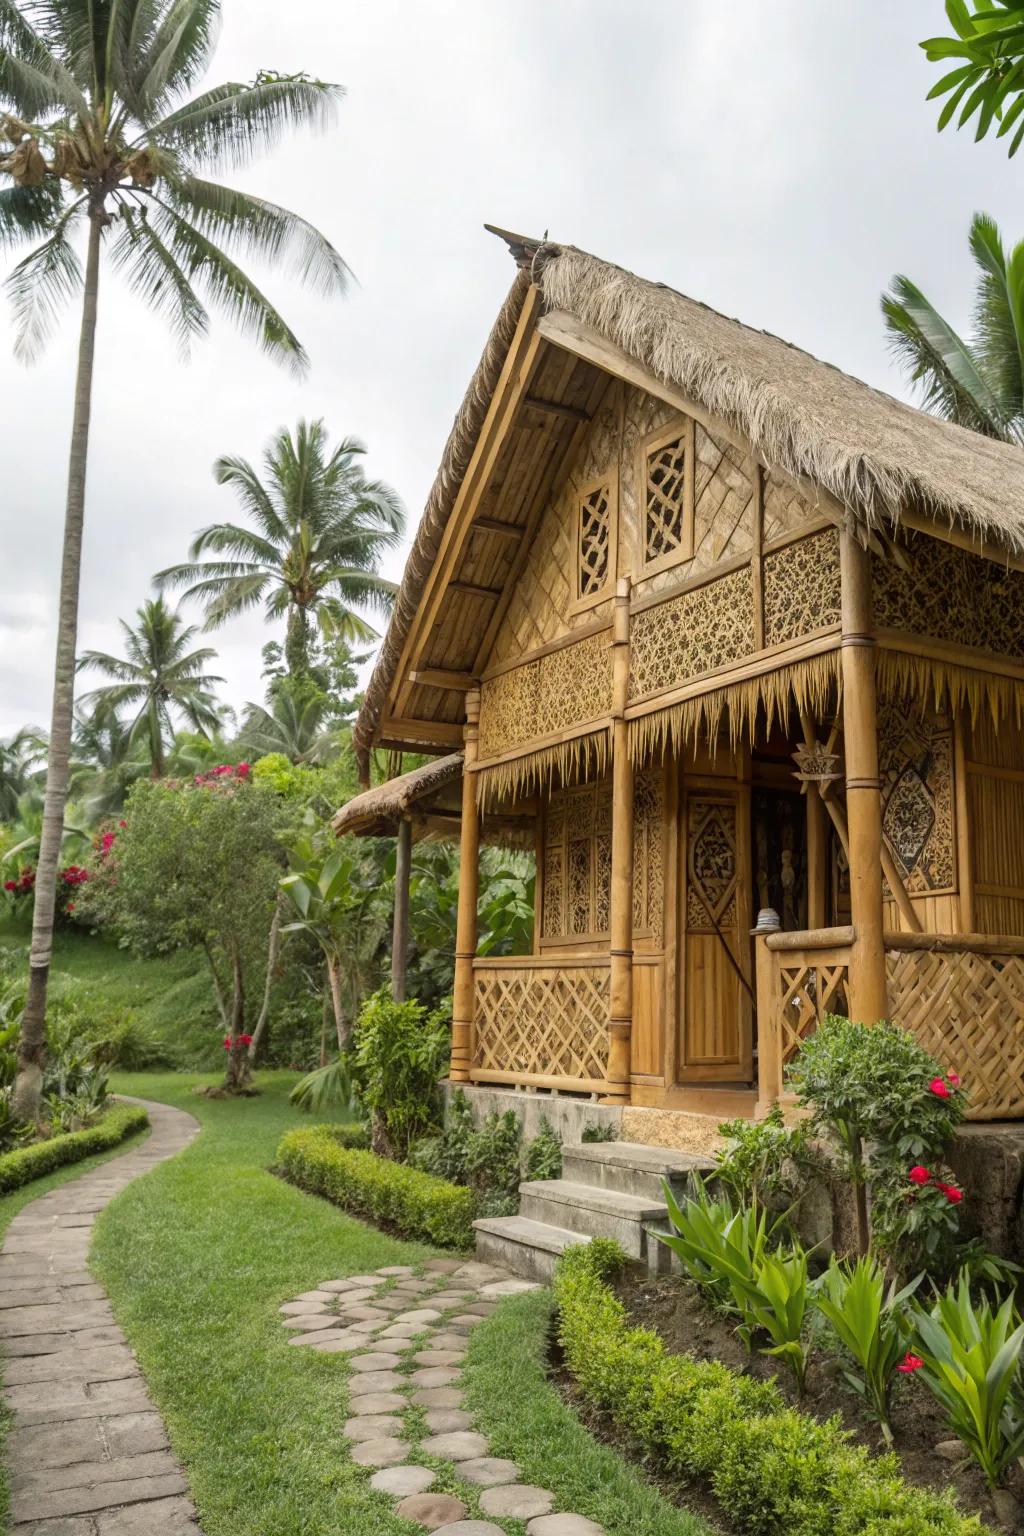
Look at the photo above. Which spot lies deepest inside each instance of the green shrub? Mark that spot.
(399, 1055)
(27, 1163)
(492, 1164)
(764, 1162)
(544, 1154)
(446, 1155)
(772, 1468)
(414, 1203)
(602, 1132)
(355, 1137)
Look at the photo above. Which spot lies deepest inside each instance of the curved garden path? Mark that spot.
(87, 1451)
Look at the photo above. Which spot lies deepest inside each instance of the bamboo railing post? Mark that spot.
(769, 1034)
(400, 928)
(620, 1021)
(463, 1001)
(868, 1001)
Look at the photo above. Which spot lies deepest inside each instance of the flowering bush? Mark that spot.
(18, 888)
(223, 771)
(238, 1042)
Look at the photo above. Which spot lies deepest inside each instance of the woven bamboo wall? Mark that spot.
(995, 802)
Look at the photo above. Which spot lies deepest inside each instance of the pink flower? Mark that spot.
(938, 1087)
(122, 823)
(910, 1363)
(918, 1175)
(953, 1078)
(242, 770)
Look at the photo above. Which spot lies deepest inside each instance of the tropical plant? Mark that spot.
(20, 755)
(104, 140)
(990, 37)
(299, 728)
(875, 1085)
(977, 382)
(971, 1365)
(544, 1154)
(717, 1245)
(506, 906)
(158, 677)
(775, 1301)
(321, 531)
(399, 1055)
(867, 1315)
(107, 759)
(764, 1162)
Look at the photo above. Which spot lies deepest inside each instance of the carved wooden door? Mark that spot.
(716, 1001)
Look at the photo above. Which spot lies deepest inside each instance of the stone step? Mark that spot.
(528, 1248)
(633, 1168)
(596, 1213)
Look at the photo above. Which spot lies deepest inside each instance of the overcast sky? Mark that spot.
(776, 161)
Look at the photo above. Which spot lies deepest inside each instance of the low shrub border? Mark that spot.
(771, 1467)
(414, 1204)
(27, 1163)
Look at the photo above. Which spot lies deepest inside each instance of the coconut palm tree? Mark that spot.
(321, 530)
(107, 759)
(20, 756)
(301, 725)
(104, 141)
(978, 382)
(157, 678)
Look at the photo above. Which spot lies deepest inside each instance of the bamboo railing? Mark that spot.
(542, 1023)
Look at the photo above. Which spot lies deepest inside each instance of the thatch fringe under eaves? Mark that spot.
(378, 811)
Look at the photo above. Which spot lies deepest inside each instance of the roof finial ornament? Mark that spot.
(528, 252)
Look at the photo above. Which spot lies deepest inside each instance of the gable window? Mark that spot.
(666, 471)
(595, 540)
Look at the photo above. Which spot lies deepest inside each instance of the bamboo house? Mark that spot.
(727, 633)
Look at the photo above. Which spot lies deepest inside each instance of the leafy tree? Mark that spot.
(105, 141)
(196, 867)
(107, 760)
(977, 382)
(158, 678)
(506, 905)
(989, 36)
(20, 755)
(321, 529)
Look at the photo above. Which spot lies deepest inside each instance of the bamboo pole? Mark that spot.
(869, 1001)
(620, 1021)
(400, 929)
(463, 1002)
(769, 1034)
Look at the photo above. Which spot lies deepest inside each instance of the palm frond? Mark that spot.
(232, 538)
(176, 53)
(230, 288)
(26, 212)
(998, 315)
(262, 229)
(33, 77)
(232, 122)
(156, 277)
(939, 361)
(252, 493)
(41, 284)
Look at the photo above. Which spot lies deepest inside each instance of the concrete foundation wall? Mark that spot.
(567, 1117)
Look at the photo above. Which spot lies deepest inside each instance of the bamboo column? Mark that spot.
(469, 880)
(400, 929)
(620, 1021)
(868, 1000)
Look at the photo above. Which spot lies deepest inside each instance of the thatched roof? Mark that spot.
(875, 454)
(377, 812)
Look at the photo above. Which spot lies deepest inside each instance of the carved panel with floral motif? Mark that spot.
(915, 759)
(693, 633)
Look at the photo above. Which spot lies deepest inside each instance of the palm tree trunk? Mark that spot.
(296, 642)
(32, 1045)
(341, 1024)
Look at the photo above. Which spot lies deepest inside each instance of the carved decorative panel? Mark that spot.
(577, 863)
(665, 531)
(801, 587)
(693, 633)
(950, 594)
(648, 856)
(575, 685)
(711, 863)
(915, 759)
(595, 533)
(508, 709)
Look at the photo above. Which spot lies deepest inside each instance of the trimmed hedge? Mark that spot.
(416, 1204)
(31, 1162)
(772, 1468)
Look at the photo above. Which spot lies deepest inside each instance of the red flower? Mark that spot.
(952, 1194)
(938, 1087)
(918, 1175)
(244, 1040)
(227, 1042)
(242, 770)
(910, 1363)
(10, 885)
(953, 1078)
(122, 823)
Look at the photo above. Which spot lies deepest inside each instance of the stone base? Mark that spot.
(568, 1117)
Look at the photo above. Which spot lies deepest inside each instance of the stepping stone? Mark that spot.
(365, 1325)
(438, 1397)
(402, 1331)
(391, 1303)
(563, 1525)
(488, 1471)
(319, 1337)
(359, 1298)
(449, 1341)
(434, 1376)
(311, 1324)
(337, 1286)
(363, 1314)
(402, 1481)
(481, 1309)
(470, 1528)
(366, 1403)
(313, 1296)
(301, 1308)
(439, 1356)
(452, 1298)
(376, 1360)
(480, 1274)
(382, 1381)
(431, 1509)
(396, 1269)
(385, 1451)
(373, 1281)
(509, 1287)
(516, 1501)
(333, 1343)
(419, 1315)
(464, 1320)
(371, 1426)
(414, 1287)
(442, 1266)
(441, 1421)
(460, 1445)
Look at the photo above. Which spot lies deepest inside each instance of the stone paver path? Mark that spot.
(88, 1452)
(402, 1334)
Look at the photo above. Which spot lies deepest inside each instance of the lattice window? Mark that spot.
(576, 877)
(593, 568)
(666, 533)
